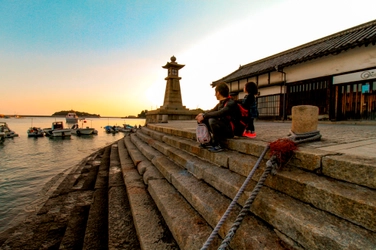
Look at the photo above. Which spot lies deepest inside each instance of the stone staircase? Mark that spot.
(312, 203)
(156, 189)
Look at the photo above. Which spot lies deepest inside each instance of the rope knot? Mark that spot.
(281, 152)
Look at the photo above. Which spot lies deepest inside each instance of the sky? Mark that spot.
(105, 57)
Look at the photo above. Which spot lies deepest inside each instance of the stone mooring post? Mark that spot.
(304, 119)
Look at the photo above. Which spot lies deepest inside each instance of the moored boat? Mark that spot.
(6, 131)
(71, 118)
(76, 130)
(111, 129)
(57, 130)
(128, 128)
(35, 132)
(122, 129)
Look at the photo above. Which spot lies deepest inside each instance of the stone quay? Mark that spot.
(157, 189)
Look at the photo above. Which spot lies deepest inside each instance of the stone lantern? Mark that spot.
(172, 108)
(172, 98)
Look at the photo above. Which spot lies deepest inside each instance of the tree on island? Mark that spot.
(142, 114)
(80, 114)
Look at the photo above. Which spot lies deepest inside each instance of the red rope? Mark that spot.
(282, 149)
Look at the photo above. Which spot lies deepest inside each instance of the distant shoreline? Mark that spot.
(52, 116)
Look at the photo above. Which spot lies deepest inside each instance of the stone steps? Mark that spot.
(191, 208)
(150, 226)
(188, 228)
(305, 209)
(156, 189)
(61, 221)
(351, 202)
(340, 167)
(89, 209)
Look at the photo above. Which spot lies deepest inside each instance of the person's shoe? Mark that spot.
(216, 149)
(250, 135)
(206, 145)
(246, 132)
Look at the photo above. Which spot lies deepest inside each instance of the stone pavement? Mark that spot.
(350, 138)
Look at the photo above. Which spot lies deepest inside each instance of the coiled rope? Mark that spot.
(271, 165)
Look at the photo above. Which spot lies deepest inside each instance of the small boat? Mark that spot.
(111, 129)
(127, 126)
(35, 132)
(76, 130)
(71, 118)
(57, 130)
(6, 131)
(122, 129)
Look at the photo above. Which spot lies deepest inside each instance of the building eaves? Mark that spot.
(361, 35)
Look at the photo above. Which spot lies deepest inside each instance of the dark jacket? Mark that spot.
(249, 103)
(226, 110)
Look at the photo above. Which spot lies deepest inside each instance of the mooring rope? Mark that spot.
(272, 162)
(234, 201)
(271, 165)
(305, 137)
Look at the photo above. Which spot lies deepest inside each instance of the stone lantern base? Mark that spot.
(164, 115)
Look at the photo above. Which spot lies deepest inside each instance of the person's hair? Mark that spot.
(251, 88)
(223, 89)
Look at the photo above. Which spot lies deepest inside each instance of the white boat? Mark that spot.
(35, 132)
(71, 118)
(76, 130)
(6, 131)
(57, 130)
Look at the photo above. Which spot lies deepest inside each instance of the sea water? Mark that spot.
(27, 164)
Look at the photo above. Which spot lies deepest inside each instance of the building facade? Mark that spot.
(336, 73)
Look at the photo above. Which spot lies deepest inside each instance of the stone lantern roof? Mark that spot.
(173, 64)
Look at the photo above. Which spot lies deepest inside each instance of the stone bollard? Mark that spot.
(304, 119)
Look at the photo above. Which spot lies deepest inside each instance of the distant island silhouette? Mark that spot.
(80, 114)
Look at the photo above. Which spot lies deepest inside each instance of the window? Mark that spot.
(269, 105)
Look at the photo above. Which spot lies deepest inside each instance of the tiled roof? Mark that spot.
(361, 35)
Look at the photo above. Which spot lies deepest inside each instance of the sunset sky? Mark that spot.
(106, 57)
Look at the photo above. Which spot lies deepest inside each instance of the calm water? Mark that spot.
(27, 164)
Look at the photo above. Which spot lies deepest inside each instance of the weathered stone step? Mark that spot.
(308, 227)
(348, 201)
(96, 234)
(121, 231)
(253, 234)
(188, 228)
(60, 222)
(47, 190)
(152, 230)
(315, 160)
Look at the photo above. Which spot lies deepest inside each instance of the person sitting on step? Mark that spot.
(219, 119)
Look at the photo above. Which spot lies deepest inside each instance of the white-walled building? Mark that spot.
(336, 73)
